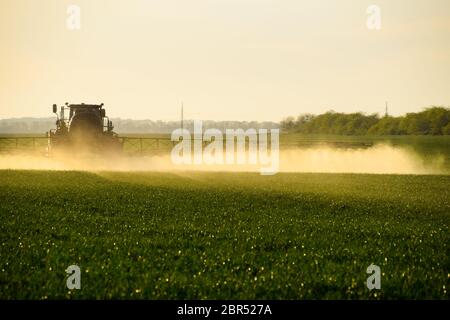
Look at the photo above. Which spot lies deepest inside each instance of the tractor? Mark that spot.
(85, 129)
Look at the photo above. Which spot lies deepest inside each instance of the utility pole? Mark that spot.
(182, 115)
(386, 114)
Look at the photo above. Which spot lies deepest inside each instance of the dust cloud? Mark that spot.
(379, 159)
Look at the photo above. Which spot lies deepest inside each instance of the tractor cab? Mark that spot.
(83, 117)
(82, 126)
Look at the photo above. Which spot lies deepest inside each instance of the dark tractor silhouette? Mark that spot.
(87, 129)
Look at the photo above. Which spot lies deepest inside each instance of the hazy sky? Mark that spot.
(225, 59)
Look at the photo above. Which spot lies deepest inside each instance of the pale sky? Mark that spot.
(225, 59)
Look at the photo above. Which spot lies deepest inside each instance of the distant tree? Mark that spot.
(387, 126)
(433, 120)
(438, 119)
(446, 129)
(288, 124)
(302, 121)
(430, 121)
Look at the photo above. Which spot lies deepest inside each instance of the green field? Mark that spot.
(223, 235)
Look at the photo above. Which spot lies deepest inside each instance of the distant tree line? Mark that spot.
(431, 121)
(127, 126)
(149, 126)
